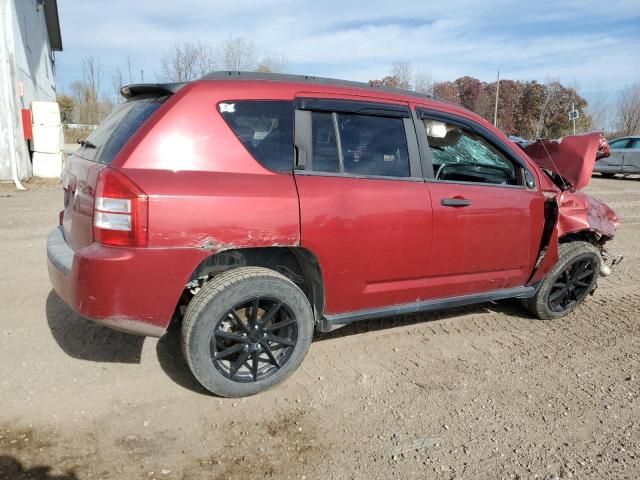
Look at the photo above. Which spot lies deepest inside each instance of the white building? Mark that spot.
(29, 36)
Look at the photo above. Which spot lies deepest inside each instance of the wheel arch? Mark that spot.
(584, 235)
(298, 264)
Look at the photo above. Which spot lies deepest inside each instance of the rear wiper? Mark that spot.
(86, 144)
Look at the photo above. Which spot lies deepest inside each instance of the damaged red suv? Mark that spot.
(256, 208)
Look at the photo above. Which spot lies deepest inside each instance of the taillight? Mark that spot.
(120, 211)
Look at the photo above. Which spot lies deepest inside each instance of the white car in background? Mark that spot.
(624, 158)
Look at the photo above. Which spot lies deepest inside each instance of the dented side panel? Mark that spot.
(221, 211)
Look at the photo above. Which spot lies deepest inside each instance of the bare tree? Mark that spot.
(89, 108)
(129, 68)
(402, 72)
(275, 62)
(600, 110)
(237, 54)
(187, 61)
(423, 82)
(628, 109)
(117, 81)
(551, 93)
(92, 74)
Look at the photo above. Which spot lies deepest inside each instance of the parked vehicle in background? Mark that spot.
(522, 142)
(625, 157)
(256, 208)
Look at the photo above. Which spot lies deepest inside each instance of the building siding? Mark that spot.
(26, 75)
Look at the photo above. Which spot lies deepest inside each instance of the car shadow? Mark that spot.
(509, 307)
(12, 469)
(173, 363)
(83, 339)
(86, 340)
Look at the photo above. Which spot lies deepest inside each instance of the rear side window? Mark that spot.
(622, 143)
(368, 145)
(265, 128)
(323, 143)
(373, 145)
(111, 135)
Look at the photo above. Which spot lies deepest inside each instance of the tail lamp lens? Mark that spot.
(120, 211)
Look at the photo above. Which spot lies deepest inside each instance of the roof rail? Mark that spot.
(286, 77)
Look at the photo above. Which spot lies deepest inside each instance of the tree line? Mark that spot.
(529, 109)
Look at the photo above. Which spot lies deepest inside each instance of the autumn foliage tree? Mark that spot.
(525, 108)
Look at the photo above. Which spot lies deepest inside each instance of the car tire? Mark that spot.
(577, 268)
(607, 174)
(220, 329)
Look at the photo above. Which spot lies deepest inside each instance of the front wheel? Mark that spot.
(246, 330)
(568, 283)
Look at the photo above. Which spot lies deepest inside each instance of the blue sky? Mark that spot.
(593, 45)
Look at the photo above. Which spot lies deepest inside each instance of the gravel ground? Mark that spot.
(482, 392)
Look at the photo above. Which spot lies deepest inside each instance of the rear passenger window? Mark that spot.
(373, 145)
(265, 128)
(325, 148)
(359, 144)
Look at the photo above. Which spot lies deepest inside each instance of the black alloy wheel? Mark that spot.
(570, 281)
(254, 339)
(572, 285)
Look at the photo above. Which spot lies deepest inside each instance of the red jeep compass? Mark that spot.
(255, 208)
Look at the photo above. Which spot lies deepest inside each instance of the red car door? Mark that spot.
(363, 207)
(488, 215)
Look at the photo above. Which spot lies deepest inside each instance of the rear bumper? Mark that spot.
(130, 289)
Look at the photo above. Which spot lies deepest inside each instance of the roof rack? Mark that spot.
(286, 77)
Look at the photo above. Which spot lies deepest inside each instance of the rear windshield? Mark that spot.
(265, 127)
(111, 135)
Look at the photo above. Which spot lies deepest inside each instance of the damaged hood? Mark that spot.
(571, 157)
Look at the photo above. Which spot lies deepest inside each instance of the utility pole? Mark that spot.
(495, 112)
(142, 76)
(573, 116)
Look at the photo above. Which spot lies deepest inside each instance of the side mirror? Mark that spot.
(529, 180)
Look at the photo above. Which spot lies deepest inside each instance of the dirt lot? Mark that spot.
(482, 392)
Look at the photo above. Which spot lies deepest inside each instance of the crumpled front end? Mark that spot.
(581, 212)
(572, 157)
(568, 163)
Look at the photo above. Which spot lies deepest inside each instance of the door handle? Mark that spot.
(455, 202)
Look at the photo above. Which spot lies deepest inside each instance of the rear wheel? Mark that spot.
(569, 282)
(246, 330)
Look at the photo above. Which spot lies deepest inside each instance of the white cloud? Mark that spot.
(582, 42)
